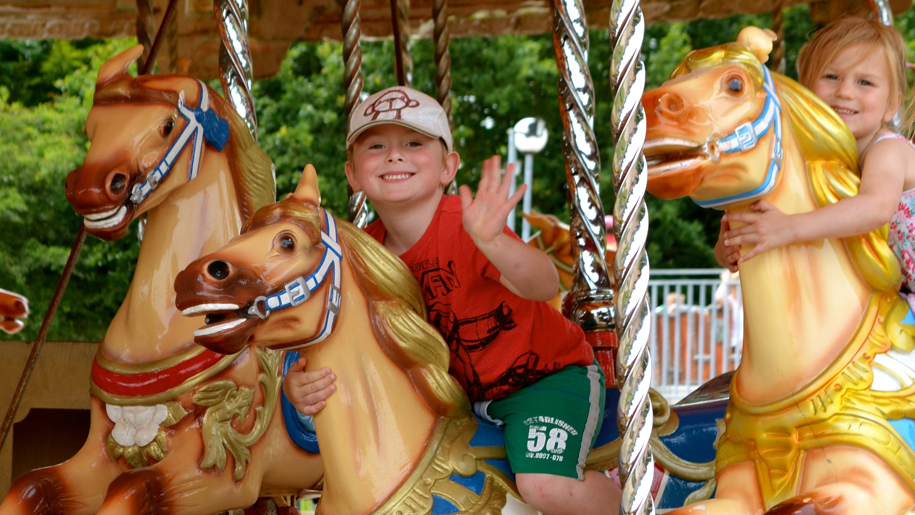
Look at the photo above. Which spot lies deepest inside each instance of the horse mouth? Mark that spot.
(110, 223)
(672, 155)
(11, 325)
(221, 320)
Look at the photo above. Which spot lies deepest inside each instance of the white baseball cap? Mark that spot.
(401, 106)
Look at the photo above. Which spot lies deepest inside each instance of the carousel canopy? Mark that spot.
(275, 24)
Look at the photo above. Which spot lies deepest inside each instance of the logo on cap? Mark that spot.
(395, 101)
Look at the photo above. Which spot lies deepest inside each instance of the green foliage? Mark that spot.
(40, 145)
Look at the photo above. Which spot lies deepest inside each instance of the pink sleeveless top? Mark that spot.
(901, 236)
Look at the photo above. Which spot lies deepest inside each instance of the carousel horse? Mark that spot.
(397, 436)
(174, 427)
(13, 307)
(821, 407)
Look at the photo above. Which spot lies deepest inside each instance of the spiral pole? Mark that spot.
(882, 11)
(400, 25)
(631, 268)
(146, 29)
(442, 56)
(171, 55)
(235, 67)
(777, 57)
(353, 83)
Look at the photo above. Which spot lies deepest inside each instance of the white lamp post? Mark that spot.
(529, 136)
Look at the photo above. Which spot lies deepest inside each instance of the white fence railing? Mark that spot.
(697, 330)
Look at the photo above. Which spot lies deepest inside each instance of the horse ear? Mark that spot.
(307, 191)
(759, 41)
(117, 66)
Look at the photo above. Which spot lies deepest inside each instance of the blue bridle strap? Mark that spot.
(202, 124)
(746, 136)
(299, 290)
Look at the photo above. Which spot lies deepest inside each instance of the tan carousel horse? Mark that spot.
(822, 402)
(175, 428)
(397, 437)
(13, 308)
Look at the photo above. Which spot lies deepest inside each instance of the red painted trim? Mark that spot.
(151, 383)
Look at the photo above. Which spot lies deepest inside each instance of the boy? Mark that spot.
(521, 363)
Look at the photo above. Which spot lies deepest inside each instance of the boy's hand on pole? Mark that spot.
(307, 391)
(484, 215)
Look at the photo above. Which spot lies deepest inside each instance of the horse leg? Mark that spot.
(177, 484)
(76, 486)
(844, 481)
(737, 494)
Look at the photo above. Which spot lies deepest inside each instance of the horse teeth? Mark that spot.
(205, 308)
(206, 331)
(104, 214)
(106, 222)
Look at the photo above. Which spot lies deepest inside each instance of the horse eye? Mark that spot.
(287, 243)
(167, 127)
(735, 85)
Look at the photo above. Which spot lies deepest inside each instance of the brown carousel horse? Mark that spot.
(13, 308)
(823, 401)
(174, 427)
(398, 432)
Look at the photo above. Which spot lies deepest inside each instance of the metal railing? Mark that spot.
(697, 331)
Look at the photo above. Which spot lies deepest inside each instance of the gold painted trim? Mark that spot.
(775, 437)
(168, 395)
(153, 366)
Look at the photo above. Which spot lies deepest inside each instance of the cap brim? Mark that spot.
(355, 135)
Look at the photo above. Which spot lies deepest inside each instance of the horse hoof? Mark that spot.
(810, 505)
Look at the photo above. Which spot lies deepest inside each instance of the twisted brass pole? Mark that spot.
(633, 323)
(442, 56)
(400, 25)
(235, 65)
(777, 57)
(352, 84)
(146, 29)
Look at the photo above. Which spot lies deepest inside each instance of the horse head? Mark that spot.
(13, 307)
(715, 126)
(286, 252)
(149, 135)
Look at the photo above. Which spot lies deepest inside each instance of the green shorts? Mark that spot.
(550, 425)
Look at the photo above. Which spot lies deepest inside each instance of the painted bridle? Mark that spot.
(745, 137)
(202, 124)
(299, 290)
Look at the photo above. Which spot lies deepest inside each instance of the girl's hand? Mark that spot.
(307, 391)
(766, 227)
(726, 255)
(484, 214)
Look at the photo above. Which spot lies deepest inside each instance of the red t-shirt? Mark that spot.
(499, 342)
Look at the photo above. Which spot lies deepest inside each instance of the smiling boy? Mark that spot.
(521, 363)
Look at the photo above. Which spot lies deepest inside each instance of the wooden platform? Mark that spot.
(53, 419)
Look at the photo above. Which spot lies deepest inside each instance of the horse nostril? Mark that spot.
(218, 270)
(118, 183)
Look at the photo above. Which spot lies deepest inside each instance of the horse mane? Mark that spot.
(252, 170)
(396, 307)
(829, 150)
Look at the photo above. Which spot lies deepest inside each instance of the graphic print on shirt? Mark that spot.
(468, 336)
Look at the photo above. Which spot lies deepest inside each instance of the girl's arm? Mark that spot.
(525, 271)
(873, 207)
(726, 256)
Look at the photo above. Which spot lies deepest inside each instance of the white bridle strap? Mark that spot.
(299, 290)
(746, 136)
(195, 128)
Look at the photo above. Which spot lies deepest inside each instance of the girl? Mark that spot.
(857, 66)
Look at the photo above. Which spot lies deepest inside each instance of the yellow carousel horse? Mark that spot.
(819, 419)
(175, 428)
(13, 308)
(397, 437)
